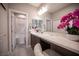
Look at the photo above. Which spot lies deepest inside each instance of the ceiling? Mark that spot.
(36, 4)
(52, 7)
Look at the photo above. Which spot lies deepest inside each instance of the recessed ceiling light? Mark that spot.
(22, 16)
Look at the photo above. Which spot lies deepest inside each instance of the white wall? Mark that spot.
(58, 14)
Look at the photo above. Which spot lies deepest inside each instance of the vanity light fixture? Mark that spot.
(42, 10)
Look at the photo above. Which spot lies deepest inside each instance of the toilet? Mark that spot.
(48, 52)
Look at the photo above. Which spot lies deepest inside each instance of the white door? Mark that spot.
(18, 29)
(3, 32)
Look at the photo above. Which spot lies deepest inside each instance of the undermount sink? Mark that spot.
(73, 37)
(65, 35)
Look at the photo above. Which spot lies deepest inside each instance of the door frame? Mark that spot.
(11, 11)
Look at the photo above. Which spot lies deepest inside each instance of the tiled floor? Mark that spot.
(21, 50)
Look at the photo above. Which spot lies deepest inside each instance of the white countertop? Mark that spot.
(58, 40)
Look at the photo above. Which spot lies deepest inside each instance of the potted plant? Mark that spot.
(70, 22)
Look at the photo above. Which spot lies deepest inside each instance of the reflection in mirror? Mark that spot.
(37, 24)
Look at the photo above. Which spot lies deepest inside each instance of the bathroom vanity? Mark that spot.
(54, 41)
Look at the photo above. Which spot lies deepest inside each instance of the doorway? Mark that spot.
(18, 29)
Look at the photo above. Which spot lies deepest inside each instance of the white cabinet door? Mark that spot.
(3, 31)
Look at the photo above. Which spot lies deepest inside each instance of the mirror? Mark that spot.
(37, 23)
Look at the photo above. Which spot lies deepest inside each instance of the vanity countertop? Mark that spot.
(58, 40)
